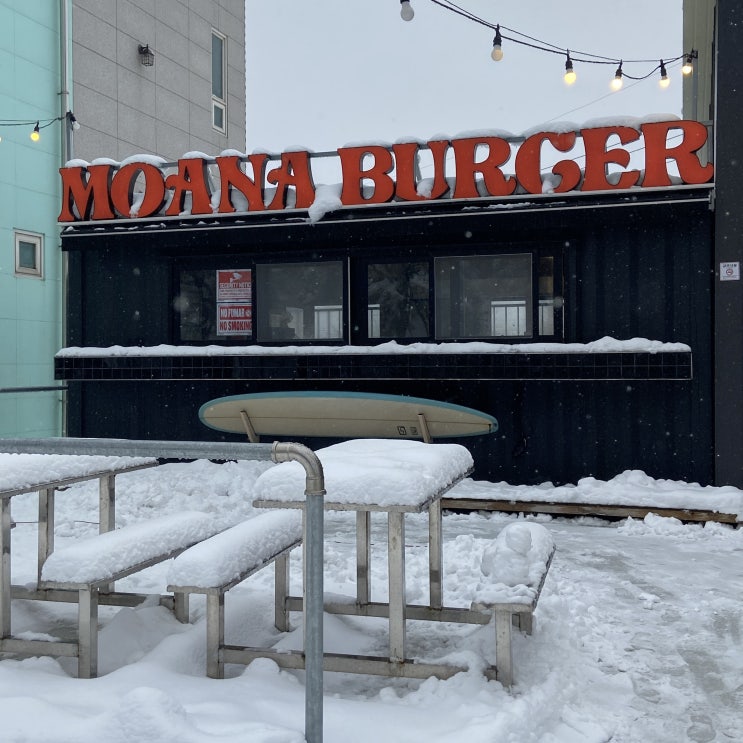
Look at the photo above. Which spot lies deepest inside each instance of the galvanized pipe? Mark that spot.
(278, 452)
(313, 593)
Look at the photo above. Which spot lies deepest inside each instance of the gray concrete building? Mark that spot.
(159, 77)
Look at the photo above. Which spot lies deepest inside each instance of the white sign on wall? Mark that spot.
(730, 271)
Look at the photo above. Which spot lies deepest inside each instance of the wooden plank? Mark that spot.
(586, 509)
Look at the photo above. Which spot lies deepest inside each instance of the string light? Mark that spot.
(497, 53)
(688, 66)
(570, 76)
(664, 79)
(39, 124)
(406, 10)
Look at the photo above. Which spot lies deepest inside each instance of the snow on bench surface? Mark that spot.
(629, 488)
(101, 557)
(374, 472)
(18, 471)
(224, 558)
(514, 564)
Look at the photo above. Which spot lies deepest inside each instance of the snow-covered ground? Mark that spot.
(638, 639)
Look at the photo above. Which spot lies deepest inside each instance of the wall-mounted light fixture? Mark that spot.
(146, 55)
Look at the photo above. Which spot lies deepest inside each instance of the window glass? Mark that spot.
(217, 66)
(397, 300)
(484, 296)
(547, 304)
(196, 306)
(300, 301)
(28, 254)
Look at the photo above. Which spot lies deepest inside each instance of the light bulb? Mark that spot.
(406, 10)
(570, 76)
(688, 67)
(617, 82)
(664, 79)
(497, 54)
(35, 136)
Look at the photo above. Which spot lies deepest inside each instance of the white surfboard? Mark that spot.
(343, 415)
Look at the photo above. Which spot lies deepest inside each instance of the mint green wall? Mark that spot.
(30, 308)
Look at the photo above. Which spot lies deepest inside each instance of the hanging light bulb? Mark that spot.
(35, 136)
(664, 79)
(570, 75)
(406, 10)
(497, 54)
(688, 67)
(617, 82)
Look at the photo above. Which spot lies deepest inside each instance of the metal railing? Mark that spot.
(314, 513)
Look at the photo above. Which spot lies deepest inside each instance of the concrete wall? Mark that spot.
(125, 108)
(30, 317)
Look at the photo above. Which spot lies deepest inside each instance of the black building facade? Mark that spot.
(499, 305)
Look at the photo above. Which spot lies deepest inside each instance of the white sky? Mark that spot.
(326, 73)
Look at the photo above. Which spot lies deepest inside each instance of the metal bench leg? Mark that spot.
(87, 637)
(435, 555)
(363, 549)
(524, 622)
(396, 568)
(214, 635)
(180, 607)
(281, 593)
(503, 654)
(5, 567)
(46, 528)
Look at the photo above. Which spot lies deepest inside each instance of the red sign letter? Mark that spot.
(122, 190)
(191, 177)
(232, 176)
(352, 159)
(464, 157)
(529, 162)
(294, 171)
(657, 151)
(597, 157)
(407, 174)
(85, 195)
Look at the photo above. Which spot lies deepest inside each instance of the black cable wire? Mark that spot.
(545, 46)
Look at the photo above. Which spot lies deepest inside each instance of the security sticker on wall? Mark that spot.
(730, 271)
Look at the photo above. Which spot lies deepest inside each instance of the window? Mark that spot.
(219, 79)
(300, 301)
(397, 295)
(484, 296)
(28, 254)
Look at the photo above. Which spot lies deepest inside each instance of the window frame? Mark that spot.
(37, 240)
(219, 102)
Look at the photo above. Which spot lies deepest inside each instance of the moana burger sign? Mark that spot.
(139, 190)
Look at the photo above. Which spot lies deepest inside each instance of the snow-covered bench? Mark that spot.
(91, 565)
(226, 559)
(514, 568)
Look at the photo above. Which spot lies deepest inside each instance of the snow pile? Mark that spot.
(373, 472)
(105, 555)
(514, 564)
(19, 471)
(226, 556)
(602, 345)
(630, 488)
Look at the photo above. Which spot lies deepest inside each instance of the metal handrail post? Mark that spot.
(313, 593)
(315, 506)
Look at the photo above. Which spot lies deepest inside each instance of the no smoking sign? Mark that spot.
(730, 271)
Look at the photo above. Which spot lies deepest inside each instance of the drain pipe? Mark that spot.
(313, 593)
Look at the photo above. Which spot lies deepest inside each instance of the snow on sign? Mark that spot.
(234, 302)
(730, 271)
